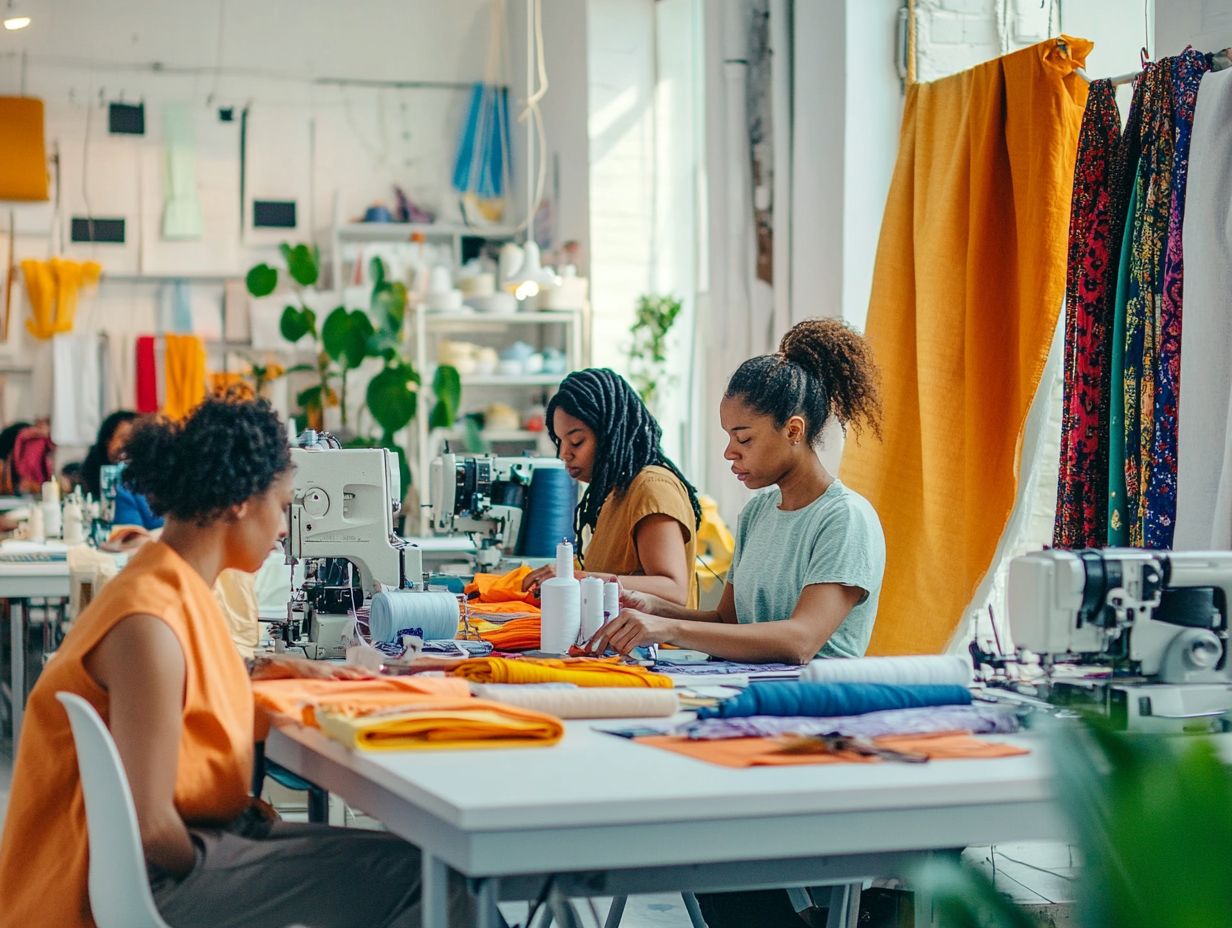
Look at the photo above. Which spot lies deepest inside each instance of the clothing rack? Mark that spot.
(1221, 59)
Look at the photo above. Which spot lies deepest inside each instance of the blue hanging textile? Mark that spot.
(481, 167)
(819, 700)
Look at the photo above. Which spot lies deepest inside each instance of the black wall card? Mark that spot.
(273, 214)
(126, 119)
(86, 229)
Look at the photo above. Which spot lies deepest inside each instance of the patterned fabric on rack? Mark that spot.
(1082, 495)
(1159, 499)
(1123, 184)
(1148, 243)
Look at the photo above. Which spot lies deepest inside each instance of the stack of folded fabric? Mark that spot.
(502, 613)
(579, 671)
(402, 713)
(514, 635)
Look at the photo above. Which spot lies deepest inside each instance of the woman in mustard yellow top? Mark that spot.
(153, 655)
(640, 512)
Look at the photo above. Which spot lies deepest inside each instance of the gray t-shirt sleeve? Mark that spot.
(843, 553)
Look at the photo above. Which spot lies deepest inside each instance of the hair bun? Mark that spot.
(837, 355)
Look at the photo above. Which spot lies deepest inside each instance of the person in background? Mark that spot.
(151, 653)
(108, 448)
(8, 441)
(810, 553)
(642, 515)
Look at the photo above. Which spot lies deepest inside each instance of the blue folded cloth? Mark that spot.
(819, 700)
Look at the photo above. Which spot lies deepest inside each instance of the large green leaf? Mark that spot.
(447, 386)
(262, 280)
(393, 398)
(303, 263)
(296, 323)
(345, 336)
(309, 398)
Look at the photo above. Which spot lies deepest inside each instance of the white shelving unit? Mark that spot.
(540, 328)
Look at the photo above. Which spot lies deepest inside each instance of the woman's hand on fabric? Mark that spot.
(629, 630)
(537, 577)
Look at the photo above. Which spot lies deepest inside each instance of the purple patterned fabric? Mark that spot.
(1186, 72)
(977, 719)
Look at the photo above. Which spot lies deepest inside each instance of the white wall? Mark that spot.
(331, 148)
(1204, 24)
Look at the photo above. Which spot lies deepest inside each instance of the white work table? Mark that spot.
(18, 583)
(606, 816)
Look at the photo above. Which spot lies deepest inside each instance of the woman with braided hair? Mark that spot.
(810, 552)
(640, 512)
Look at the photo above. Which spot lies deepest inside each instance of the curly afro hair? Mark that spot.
(224, 453)
(823, 368)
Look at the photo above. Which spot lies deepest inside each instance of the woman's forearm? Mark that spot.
(166, 842)
(665, 589)
(761, 642)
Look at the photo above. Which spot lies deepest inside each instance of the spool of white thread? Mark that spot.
(52, 519)
(431, 616)
(611, 601)
(592, 608)
(564, 560)
(561, 601)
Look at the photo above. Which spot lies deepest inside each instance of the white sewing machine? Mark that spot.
(342, 517)
(486, 497)
(1157, 620)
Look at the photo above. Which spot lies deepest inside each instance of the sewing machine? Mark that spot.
(1154, 622)
(342, 527)
(486, 497)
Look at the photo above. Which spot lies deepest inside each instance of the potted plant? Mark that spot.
(656, 314)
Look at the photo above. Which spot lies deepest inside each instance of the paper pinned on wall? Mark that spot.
(182, 208)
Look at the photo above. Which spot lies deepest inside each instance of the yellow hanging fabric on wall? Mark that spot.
(23, 168)
(52, 289)
(968, 283)
(184, 374)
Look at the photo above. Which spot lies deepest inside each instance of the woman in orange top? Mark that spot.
(153, 655)
(641, 512)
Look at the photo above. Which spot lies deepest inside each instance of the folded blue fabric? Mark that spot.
(818, 700)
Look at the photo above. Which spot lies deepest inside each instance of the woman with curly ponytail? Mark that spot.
(810, 552)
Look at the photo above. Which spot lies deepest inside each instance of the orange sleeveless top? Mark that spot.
(44, 853)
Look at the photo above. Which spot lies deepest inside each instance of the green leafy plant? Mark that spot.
(347, 339)
(1153, 820)
(656, 314)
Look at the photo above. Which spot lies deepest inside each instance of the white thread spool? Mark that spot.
(564, 560)
(434, 615)
(52, 521)
(592, 608)
(611, 601)
(561, 601)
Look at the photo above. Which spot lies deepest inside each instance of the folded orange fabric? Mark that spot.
(501, 588)
(427, 723)
(514, 635)
(760, 752)
(296, 699)
(578, 671)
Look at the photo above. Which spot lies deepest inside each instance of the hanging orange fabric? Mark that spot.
(184, 370)
(968, 283)
(23, 169)
(52, 289)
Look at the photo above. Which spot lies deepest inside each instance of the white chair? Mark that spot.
(119, 885)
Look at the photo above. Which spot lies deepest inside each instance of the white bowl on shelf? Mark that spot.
(495, 303)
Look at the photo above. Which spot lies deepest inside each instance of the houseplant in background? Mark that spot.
(1152, 817)
(656, 314)
(346, 340)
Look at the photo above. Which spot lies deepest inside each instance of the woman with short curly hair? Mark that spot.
(153, 655)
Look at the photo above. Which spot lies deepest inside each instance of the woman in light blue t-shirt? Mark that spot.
(810, 553)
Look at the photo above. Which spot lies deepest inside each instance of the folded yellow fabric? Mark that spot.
(468, 724)
(583, 671)
(297, 698)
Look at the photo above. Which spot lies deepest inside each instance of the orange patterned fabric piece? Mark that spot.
(760, 752)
